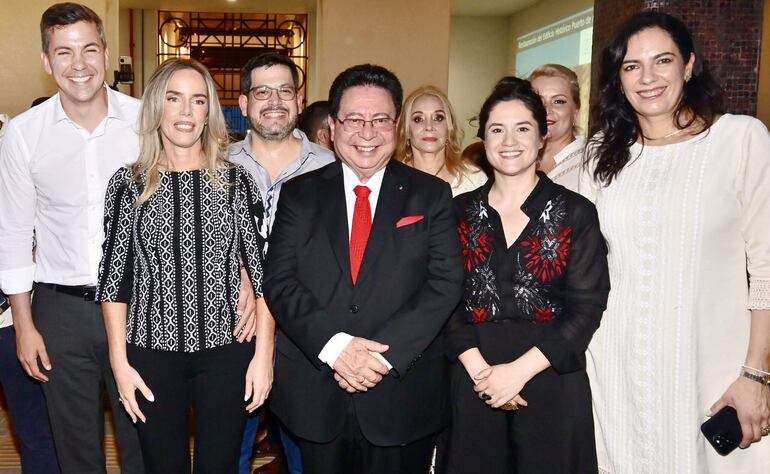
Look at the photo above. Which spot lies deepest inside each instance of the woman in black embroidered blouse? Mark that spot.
(179, 224)
(536, 284)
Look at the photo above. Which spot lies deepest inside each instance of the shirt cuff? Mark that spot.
(759, 293)
(382, 359)
(18, 280)
(334, 348)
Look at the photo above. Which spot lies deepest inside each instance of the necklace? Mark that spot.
(669, 135)
(443, 165)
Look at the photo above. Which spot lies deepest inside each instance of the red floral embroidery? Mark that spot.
(474, 251)
(547, 257)
(543, 315)
(479, 315)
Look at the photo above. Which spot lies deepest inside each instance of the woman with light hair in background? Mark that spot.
(179, 224)
(430, 140)
(563, 153)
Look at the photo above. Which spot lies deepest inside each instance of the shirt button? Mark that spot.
(354, 308)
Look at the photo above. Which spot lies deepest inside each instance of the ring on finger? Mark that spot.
(766, 430)
(485, 396)
(509, 406)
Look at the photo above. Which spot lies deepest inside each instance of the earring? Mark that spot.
(687, 78)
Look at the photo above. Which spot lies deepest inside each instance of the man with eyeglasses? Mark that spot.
(363, 271)
(273, 151)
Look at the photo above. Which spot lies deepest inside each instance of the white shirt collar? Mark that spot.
(351, 180)
(113, 107)
(577, 144)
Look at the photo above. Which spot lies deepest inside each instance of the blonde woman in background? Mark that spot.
(429, 140)
(563, 153)
(179, 224)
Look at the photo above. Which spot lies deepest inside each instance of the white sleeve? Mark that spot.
(18, 200)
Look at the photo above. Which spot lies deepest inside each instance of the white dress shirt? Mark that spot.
(5, 317)
(53, 177)
(339, 341)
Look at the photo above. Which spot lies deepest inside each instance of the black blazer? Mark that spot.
(409, 283)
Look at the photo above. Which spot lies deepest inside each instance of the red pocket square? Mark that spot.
(408, 220)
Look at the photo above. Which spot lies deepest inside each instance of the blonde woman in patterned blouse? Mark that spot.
(429, 140)
(179, 224)
(563, 152)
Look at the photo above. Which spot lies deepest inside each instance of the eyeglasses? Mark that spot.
(381, 124)
(265, 92)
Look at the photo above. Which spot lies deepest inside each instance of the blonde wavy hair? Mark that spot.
(214, 139)
(453, 150)
(561, 72)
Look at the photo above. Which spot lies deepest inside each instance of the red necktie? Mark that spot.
(362, 226)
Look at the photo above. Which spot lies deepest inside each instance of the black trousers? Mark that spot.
(552, 435)
(352, 453)
(73, 331)
(212, 383)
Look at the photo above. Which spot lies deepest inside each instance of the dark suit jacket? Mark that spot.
(409, 283)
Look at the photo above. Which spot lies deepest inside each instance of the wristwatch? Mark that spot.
(763, 379)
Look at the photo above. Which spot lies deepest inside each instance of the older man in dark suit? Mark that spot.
(363, 271)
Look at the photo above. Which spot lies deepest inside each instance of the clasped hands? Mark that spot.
(500, 384)
(357, 368)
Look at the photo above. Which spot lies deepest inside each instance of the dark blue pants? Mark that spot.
(289, 442)
(28, 411)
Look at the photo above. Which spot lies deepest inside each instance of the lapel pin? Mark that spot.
(400, 187)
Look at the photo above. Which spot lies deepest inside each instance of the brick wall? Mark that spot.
(727, 33)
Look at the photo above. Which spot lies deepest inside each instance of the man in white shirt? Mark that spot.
(55, 163)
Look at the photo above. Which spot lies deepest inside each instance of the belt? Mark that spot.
(88, 293)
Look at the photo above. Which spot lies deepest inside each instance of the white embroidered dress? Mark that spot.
(567, 169)
(685, 224)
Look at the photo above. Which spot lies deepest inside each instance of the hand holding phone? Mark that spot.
(723, 430)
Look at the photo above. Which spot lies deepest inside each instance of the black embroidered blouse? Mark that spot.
(554, 275)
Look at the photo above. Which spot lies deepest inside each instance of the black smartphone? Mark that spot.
(723, 430)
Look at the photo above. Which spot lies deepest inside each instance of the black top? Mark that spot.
(554, 275)
(175, 259)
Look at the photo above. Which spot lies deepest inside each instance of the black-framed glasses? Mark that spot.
(265, 92)
(382, 124)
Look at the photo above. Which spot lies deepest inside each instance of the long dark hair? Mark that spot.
(613, 115)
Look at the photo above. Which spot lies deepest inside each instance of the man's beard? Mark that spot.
(273, 134)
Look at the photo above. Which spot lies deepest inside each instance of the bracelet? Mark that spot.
(763, 379)
(747, 367)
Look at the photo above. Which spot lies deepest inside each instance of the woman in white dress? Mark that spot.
(683, 195)
(429, 140)
(562, 155)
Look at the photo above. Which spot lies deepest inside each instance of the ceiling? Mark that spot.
(459, 7)
(489, 7)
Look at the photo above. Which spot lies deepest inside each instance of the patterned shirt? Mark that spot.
(311, 157)
(554, 274)
(175, 259)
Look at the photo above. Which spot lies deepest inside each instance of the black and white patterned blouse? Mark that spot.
(554, 275)
(176, 259)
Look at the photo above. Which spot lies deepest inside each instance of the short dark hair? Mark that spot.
(512, 88)
(267, 60)
(313, 117)
(613, 114)
(38, 101)
(64, 14)
(365, 75)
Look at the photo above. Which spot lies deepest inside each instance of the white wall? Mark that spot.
(478, 58)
